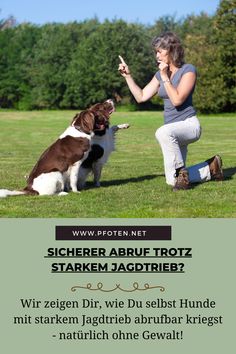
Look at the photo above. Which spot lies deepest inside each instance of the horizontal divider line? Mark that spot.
(117, 272)
(101, 257)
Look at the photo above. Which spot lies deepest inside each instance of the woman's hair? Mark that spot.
(172, 44)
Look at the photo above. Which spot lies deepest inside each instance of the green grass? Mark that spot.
(133, 185)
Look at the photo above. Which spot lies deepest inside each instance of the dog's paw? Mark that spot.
(75, 191)
(123, 126)
(97, 184)
(62, 194)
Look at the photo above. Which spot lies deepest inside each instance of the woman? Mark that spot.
(175, 82)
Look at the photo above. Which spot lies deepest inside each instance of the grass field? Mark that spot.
(133, 184)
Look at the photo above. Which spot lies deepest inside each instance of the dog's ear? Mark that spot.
(96, 107)
(84, 121)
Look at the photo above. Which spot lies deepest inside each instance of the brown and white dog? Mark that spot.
(102, 145)
(58, 167)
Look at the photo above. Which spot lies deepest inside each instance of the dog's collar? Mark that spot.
(74, 132)
(77, 127)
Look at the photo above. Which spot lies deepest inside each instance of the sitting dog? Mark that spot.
(102, 145)
(58, 167)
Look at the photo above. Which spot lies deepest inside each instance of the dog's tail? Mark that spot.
(6, 192)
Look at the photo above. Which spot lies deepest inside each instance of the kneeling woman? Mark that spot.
(175, 83)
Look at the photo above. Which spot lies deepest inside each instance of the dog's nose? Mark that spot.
(111, 102)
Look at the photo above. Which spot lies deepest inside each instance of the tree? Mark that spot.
(200, 49)
(92, 74)
(210, 93)
(52, 55)
(16, 50)
(225, 24)
(164, 24)
(74, 65)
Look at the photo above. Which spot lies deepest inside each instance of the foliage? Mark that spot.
(200, 51)
(52, 54)
(16, 53)
(92, 74)
(74, 65)
(225, 24)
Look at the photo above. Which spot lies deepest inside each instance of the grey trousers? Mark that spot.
(174, 139)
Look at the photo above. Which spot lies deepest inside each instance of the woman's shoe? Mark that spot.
(215, 165)
(182, 181)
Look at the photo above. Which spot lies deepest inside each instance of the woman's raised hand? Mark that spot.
(123, 67)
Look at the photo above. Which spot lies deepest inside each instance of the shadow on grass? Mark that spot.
(118, 182)
(229, 172)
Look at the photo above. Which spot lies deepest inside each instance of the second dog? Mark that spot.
(102, 145)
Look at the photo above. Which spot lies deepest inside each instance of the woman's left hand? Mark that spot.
(163, 69)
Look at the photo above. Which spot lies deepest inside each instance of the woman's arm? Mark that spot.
(179, 94)
(140, 95)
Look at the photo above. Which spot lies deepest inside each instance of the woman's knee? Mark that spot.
(161, 134)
